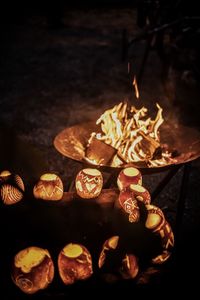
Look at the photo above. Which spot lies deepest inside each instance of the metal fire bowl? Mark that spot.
(184, 141)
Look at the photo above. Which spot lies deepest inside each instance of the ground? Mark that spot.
(52, 78)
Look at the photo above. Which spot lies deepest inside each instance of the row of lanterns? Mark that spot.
(88, 183)
(33, 267)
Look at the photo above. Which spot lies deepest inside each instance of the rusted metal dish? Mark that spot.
(181, 140)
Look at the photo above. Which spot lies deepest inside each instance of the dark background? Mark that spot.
(61, 64)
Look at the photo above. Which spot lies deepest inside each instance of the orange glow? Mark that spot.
(48, 177)
(11, 187)
(49, 187)
(74, 263)
(152, 221)
(109, 244)
(32, 269)
(113, 242)
(89, 183)
(31, 257)
(132, 133)
(72, 250)
(137, 95)
(5, 173)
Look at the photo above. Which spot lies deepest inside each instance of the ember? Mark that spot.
(133, 134)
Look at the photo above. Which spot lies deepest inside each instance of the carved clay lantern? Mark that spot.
(49, 187)
(11, 188)
(89, 183)
(33, 269)
(74, 263)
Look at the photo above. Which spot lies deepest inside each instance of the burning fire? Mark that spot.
(133, 134)
(137, 95)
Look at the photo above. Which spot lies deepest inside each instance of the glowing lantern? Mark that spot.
(128, 176)
(155, 218)
(33, 269)
(167, 236)
(129, 204)
(11, 188)
(157, 223)
(130, 267)
(89, 183)
(109, 244)
(160, 259)
(74, 263)
(140, 193)
(49, 187)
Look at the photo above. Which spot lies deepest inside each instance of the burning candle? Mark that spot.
(33, 269)
(89, 183)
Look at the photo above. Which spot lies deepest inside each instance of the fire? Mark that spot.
(137, 95)
(133, 134)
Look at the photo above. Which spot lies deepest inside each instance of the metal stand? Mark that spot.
(181, 199)
(181, 203)
(165, 181)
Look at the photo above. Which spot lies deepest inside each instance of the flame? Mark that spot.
(132, 133)
(137, 95)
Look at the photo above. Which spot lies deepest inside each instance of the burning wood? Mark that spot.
(132, 134)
